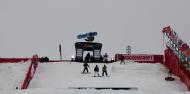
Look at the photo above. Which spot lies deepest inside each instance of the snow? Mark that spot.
(12, 75)
(146, 77)
(88, 91)
(63, 77)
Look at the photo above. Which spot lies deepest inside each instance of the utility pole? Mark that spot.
(128, 50)
(60, 51)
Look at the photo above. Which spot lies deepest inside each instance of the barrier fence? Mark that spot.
(31, 71)
(177, 67)
(177, 55)
(13, 60)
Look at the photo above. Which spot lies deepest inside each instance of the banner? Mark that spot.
(136, 57)
(139, 57)
(86, 35)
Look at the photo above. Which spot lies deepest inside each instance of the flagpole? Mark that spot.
(60, 51)
(163, 39)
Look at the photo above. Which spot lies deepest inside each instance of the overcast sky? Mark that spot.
(30, 27)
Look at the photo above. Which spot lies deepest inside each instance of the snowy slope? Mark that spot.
(58, 78)
(12, 75)
(145, 77)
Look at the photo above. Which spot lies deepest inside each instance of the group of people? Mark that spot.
(90, 58)
(96, 69)
(104, 70)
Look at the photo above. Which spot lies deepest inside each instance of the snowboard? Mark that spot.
(85, 73)
(101, 76)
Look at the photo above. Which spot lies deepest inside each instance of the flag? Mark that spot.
(166, 29)
(175, 35)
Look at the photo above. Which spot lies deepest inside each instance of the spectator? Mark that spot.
(122, 59)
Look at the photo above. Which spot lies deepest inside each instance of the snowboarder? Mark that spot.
(104, 70)
(96, 71)
(85, 65)
(122, 59)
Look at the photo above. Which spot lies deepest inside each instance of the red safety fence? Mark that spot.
(59, 61)
(31, 71)
(177, 67)
(13, 60)
(145, 58)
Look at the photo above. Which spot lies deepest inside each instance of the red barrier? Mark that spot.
(13, 60)
(27, 78)
(31, 72)
(177, 67)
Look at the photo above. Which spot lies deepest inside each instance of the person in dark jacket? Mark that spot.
(85, 65)
(122, 59)
(87, 58)
(104, 70)
(96, 70)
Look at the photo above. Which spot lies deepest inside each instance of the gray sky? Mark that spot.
(30, 27)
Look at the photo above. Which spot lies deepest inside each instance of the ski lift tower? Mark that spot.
(128, 50)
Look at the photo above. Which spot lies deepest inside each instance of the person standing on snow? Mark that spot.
(122, 59)
(87, 58)
(96, 70)
(85, 65)
(104, 70)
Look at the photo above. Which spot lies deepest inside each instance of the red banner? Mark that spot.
(136, 57)
(139, 57)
